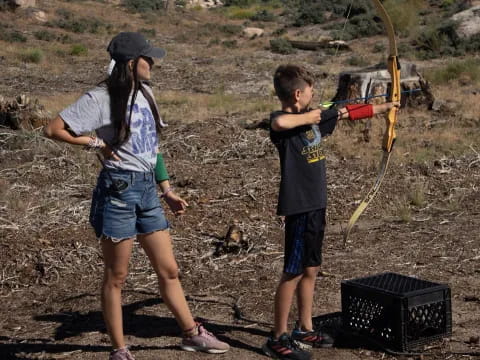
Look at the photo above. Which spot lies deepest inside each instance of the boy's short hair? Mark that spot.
(289, 78)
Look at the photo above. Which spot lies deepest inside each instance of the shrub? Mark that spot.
(148, 32)
(32, 56)
(13, 36)
(379, 48)
(438, 40)
(230, 29)
(263, 15)
(44, 35)
(404, 14)
(239, 3)
(280, 31)
(281, 46)
(69, 22)
(240, 13)
(144, 5)
(78, 50)
(229, 43)
(356, 60)
(469, 68)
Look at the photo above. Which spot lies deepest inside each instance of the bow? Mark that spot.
(393, 67)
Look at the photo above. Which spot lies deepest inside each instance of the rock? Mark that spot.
(469, 22)
(36, 14)
(438, 104)
(252, 32)
(204, 3)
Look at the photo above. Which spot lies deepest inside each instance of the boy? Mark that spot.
(297, 131)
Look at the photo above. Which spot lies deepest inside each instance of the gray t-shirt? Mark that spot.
(92, 113)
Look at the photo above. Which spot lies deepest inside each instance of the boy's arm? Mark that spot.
(362, 111)
(285, 121)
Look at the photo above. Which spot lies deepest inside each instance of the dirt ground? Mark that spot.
(51, 266)
(51, 277)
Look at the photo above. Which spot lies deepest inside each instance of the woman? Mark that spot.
(125, 204)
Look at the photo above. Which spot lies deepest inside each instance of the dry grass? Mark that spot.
(191, 107)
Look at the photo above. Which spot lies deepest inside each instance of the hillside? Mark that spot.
(214, 88)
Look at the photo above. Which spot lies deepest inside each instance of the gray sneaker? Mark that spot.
(121, 354)
(204, 341)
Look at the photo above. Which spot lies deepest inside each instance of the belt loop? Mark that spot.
(132, 176)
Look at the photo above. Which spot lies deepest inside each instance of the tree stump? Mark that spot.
(374, 82)
(22, 113)
(371, 86)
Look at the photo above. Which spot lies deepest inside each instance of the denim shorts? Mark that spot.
(125, 204)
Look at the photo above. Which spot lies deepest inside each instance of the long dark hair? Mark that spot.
(120, 84)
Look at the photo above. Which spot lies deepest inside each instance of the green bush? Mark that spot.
(32, 56)
(12, 36)
(442, 40)
(356, 60)
(68, 21)
(229, 43)
(148, 32)
(304, 12)
(469, 68)
(44, 35)
(379, 48)
(239, 3)
(144, 5)
(78, 50)
(281, 46)
(405, 15)
(263, 15)
(279, 31)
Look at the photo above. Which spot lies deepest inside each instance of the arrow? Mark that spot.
(330, 103)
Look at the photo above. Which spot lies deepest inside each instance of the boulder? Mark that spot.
(36, 14)
(204, 3)
(469, 22)
(252, 32)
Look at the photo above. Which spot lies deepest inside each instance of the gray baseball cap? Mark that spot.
(130, 45)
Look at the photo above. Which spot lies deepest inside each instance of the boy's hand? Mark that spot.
(393, 104)
(314, 116)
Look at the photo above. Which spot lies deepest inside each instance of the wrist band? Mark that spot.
(161, 173)
(95, 143)
(359, 111)
(167, 190)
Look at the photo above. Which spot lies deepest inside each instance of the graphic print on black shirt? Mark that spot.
(303, 184)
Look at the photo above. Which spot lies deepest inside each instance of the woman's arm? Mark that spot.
(57, 129)
(175, 202)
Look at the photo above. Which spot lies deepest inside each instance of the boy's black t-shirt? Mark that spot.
(303, 184)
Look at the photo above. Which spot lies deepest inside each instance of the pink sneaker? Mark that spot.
(121, 354)
(204, 341)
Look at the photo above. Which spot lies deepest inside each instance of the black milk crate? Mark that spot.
(396, 312)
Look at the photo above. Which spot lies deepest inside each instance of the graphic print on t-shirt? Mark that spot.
(144, 134)
(312, 140)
